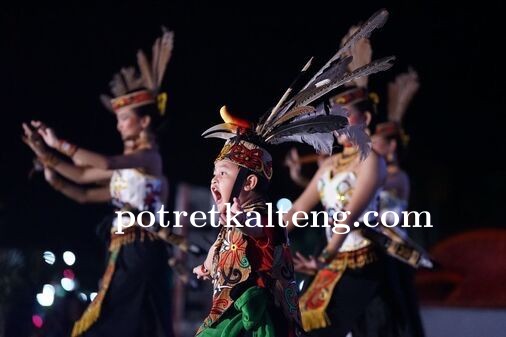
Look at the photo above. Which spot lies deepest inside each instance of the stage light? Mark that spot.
(69, 258)
(45, 299)
(83, 297)
(48, 289)
(49, 257)
(68, 284)
(37, 321)
(284, 204)
(68, 273)
(92, 296)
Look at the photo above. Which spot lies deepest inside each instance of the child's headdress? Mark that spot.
(303, 114)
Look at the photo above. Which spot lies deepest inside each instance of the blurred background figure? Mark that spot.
(134, 296)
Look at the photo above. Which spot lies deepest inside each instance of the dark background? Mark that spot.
(57, 59)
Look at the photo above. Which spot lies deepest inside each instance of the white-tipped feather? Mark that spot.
(377, 20)
(311, 94)
(283, 98)
(293, 114)
(166, 47)
(307, 116)
(332, 75)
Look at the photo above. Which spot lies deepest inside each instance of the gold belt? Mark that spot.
(353, 259)
(130, 235)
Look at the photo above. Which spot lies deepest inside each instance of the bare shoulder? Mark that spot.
(374, 159)
(374, 163)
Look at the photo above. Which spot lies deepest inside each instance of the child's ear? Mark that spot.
(251, 182)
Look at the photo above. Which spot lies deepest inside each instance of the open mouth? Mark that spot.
(216, 194)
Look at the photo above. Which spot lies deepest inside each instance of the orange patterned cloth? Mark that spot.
(315, 300)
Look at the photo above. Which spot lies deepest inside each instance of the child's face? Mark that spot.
(223, 181)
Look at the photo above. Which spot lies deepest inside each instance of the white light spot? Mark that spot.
(48, 289)
(45, 299)
(68, 284)
(284, 204)
(301, 285)
(69, 258)
(92, 296)
(83, 297)
(49, 257)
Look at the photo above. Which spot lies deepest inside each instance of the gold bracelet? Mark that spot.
(67, 148)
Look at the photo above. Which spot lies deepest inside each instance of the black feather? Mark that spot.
(319, 124)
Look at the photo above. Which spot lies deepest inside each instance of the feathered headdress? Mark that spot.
(400, 93)
(356, 91)
(301, 115)
(131, 89)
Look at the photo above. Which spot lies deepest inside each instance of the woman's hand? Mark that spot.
(305, 265)
(202, 272)
(34, 141)
(47, 134)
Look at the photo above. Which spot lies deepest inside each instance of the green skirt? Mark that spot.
(248, 314)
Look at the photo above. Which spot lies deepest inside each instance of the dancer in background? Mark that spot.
(134, 297)
(350, 293)
(389, 138)
(388, 141)
(349, 290)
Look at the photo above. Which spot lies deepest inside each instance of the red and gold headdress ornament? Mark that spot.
(355, 95)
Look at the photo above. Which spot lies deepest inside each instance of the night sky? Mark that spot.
(56, 60)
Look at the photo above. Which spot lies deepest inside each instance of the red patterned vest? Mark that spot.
(265, 262)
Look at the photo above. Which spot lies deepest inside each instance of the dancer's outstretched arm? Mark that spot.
(76, 193)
